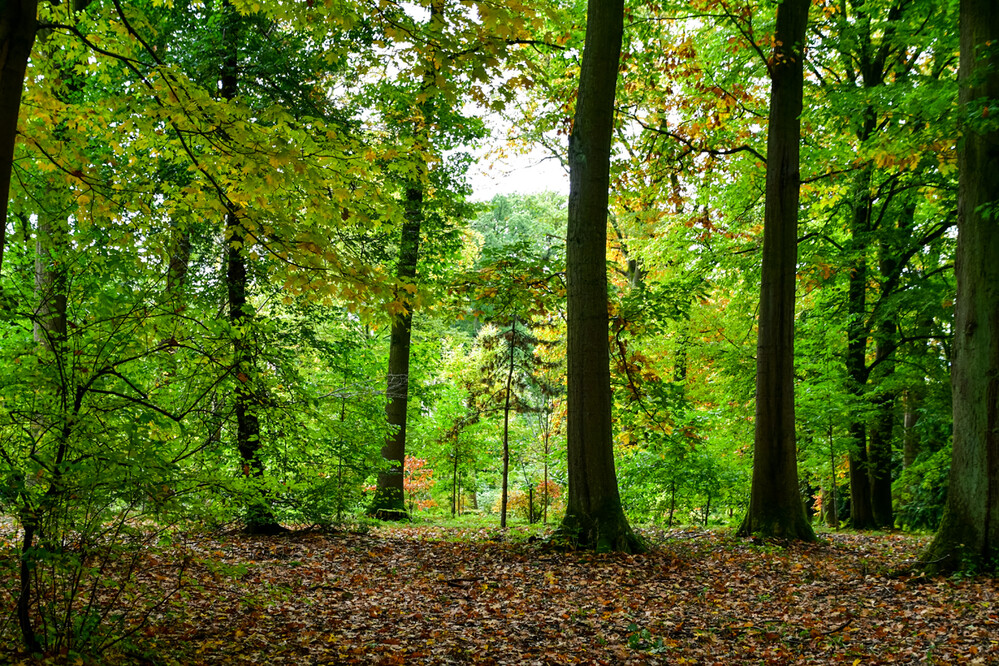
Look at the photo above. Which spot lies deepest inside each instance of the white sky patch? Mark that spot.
(532, 173)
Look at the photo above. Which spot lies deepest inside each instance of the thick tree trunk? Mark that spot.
(775, 506)
(968, 536)
(389, 502)
(594, 517)
(18, 27)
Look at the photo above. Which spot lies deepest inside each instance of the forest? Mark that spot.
(278, 384)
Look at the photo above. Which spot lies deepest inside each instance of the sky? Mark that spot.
(517, 174)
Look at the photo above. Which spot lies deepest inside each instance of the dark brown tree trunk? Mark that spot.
(775, 506)
(885, 396)
(389, 502)
(968, 536)
(911, 401)
(861, 511)
(18, 27)
(594, 517)
(880, 458)
(259, 518)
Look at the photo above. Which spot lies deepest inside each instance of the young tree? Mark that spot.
(775, 507)
(968, 537)
(594, 517)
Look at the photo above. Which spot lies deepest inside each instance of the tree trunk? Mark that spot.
(506, 427)
(50, 329)
(18, 27)
(389, 502)
(775, 506)
(911, 401)
(968, 536)
(594, 517)
(831, 510)
(913, 396)
(259, 518)
(455, 491)
(880, 458)
(861, 511)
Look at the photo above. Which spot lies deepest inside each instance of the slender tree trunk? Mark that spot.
(968, 536)
(861, 511)
(775, 506)
(832, 511)
(18, 27)
(506, 426)
(547, 500)
(50, 329)
(911, 401)
(389, 502)
(455, 492)
(259, 518)
(913, 396)
(880, 459)
(594, 516)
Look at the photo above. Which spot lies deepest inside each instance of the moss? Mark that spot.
(603, 532)
(791, 527)
(386, 507)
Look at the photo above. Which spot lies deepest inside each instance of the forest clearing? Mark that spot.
(423, 594)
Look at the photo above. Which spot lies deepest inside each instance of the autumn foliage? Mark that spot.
(418, 479)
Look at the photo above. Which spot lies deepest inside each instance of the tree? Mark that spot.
(18, 26)
(389, 502)
(968, 536)
(594, 517)
(775, 507)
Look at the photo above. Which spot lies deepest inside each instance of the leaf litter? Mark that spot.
(425, 595)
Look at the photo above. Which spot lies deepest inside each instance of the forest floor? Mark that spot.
(425, 595)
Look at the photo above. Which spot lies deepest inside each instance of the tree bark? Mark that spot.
(880, 453)
(594, 517)
(775, 506)
(506, 426)
(18, 27)
(389, 502)
(861, 511)
(259, 518)
(968, 536)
